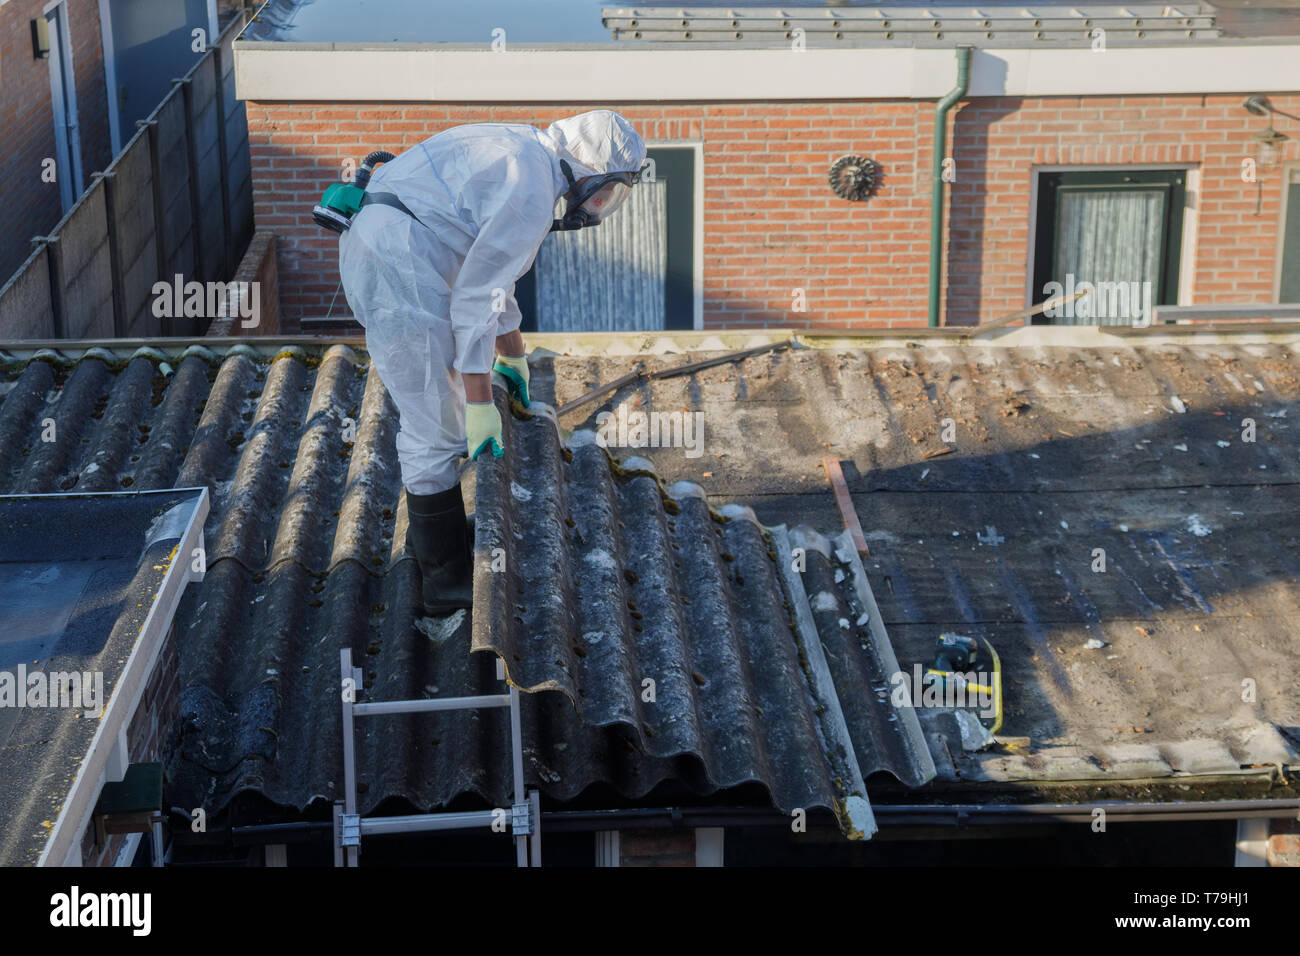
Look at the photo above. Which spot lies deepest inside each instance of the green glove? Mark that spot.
(514, 369)
(483, 429)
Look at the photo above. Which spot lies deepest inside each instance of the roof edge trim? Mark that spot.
(339, 73)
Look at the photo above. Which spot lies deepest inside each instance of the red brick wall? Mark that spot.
(656, 848)
(31, 206)
(999, 140)
(771, 223)
(257, 266)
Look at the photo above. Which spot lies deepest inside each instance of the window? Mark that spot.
(632, 273)
(1119, 231)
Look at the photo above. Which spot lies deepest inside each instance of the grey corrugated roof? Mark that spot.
(299, 455)
(302, 529)
(650, 609)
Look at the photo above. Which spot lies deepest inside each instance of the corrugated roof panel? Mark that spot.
(304, 555)
(306, 527)
(648, 608)
(861, 660)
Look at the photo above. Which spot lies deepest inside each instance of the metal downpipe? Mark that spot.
(936, 177)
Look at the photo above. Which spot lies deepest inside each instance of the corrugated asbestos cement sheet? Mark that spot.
(647, 608)
(305, 556)
(1136, 449)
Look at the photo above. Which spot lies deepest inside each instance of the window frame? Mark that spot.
(1048, 184)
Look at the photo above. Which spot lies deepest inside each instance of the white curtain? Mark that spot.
(609, 277)
(1109, 236)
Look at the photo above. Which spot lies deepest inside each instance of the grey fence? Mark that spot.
(177, 201)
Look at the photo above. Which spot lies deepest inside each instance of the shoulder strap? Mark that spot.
(387, 199)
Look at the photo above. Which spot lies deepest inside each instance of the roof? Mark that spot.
(511, 52)
(303, 21)
(304, 556)
(89, 582)
(1060, 448)
(997, 24)
(576, 23)
(1129, 444)
(647, 608)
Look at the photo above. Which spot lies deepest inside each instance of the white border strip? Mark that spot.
(284, 71)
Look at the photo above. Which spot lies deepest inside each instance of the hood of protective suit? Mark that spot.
(596, 142)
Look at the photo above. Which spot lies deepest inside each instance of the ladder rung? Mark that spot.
(435, 703)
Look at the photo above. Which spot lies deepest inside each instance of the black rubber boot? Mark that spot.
(438, 535)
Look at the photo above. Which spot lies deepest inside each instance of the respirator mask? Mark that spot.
(596, 199)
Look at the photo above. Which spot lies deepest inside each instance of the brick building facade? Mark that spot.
(772, 225)
(27, 120)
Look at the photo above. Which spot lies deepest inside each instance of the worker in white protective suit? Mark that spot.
(429, 266)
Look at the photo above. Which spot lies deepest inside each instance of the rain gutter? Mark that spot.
(936, 176)
(951, 815)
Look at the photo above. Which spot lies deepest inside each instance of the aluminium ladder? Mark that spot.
(525, 815)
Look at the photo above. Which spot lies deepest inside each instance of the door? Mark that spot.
(1289, 284)
(632, 273)
(153, 43)
(63, 101)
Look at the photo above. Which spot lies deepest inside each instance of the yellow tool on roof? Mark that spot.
(957, 660)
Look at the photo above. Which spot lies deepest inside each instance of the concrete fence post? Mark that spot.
(116, 293)
(159, 221)
(192, 160)
(52, 258)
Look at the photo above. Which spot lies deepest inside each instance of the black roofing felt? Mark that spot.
(79, 574)
(1175, 457)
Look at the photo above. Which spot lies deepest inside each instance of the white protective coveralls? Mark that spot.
(433, 295)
